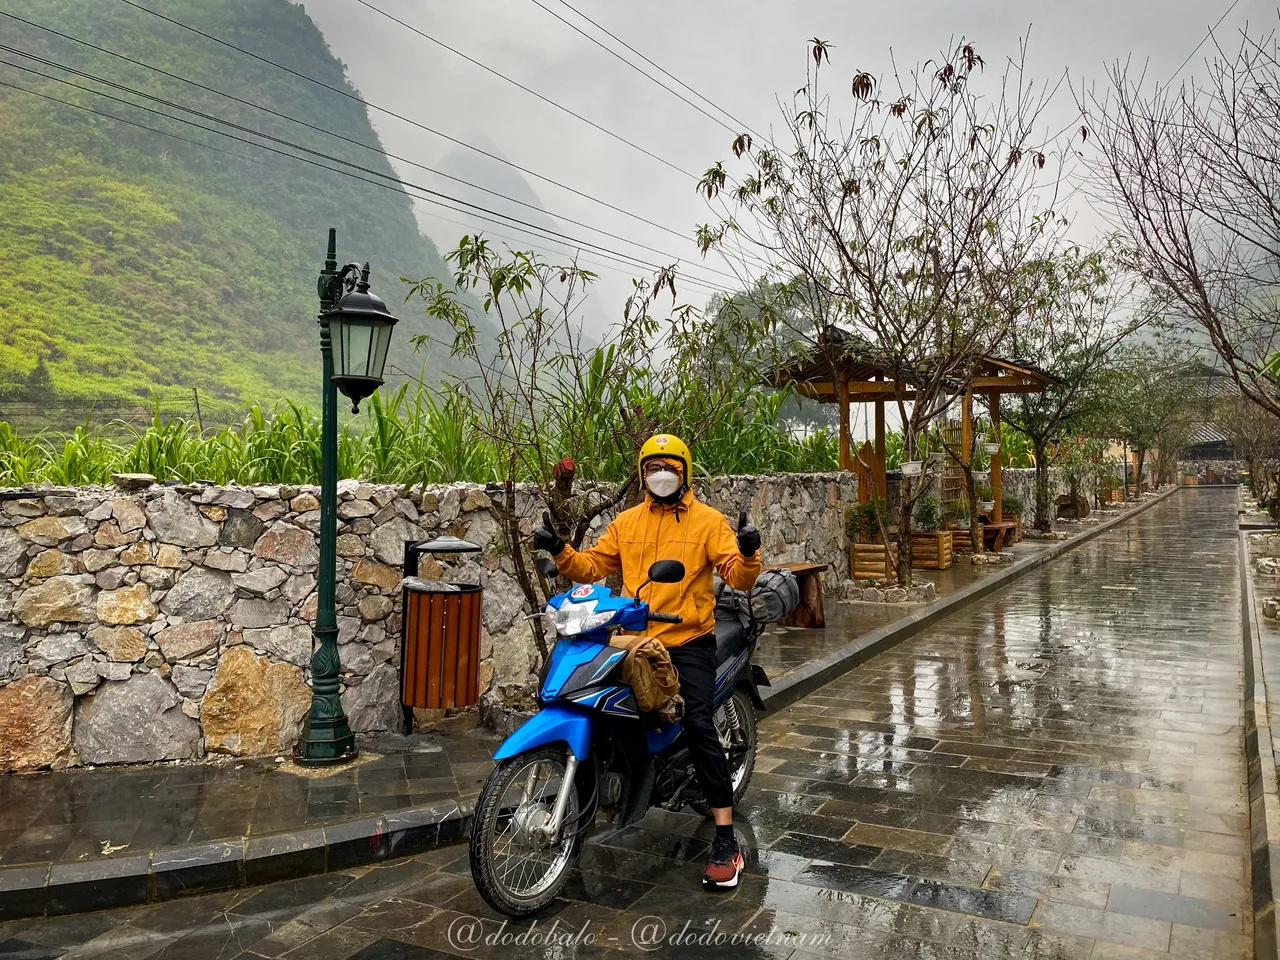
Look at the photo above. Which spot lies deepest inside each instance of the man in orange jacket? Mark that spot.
(672, 525)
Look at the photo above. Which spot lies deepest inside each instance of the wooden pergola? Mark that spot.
(846, 370)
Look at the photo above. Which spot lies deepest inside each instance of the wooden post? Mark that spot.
(865, 481)
(966, 425)
(998, 513)
(845, 460)
(882, 485)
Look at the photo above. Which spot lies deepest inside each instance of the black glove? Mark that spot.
(546, 538)
(748, 536)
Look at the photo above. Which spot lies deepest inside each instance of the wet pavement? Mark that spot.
(79, 814)
(1054, 772)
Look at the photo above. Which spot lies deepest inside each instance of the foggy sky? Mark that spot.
(742, 54)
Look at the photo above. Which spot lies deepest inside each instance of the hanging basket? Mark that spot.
(987, 506)
(912, 468)
(981, 475)
(991, 448)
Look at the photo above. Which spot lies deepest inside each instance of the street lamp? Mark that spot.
(360, 325)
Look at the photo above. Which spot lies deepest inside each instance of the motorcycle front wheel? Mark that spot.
(516, 869)
(735, 721)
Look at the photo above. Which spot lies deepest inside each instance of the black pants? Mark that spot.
(695, 662)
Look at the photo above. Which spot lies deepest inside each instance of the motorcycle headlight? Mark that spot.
(572, 619)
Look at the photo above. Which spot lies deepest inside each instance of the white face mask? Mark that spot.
(662, 483)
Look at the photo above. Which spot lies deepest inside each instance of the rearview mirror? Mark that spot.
(667, 571)
(546, 566)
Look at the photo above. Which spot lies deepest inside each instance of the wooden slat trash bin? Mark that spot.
(440, 636)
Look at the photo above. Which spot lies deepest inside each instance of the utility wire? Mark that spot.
(614, 53)
(1202, 40)
(533, 93)
(260, 162)
(389, 182)
(296, 146)
(740, 126)
(338, 136)
(398, 116)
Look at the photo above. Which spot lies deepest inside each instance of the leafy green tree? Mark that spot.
(1147, 403)
(1072, 330)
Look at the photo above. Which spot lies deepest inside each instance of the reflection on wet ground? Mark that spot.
(1055, 772)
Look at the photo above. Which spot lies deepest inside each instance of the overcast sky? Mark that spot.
(741, 54)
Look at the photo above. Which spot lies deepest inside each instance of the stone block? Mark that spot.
(135, 721)
(52, 563)
(56, 600)
(127, 605)
(176, 520)
(187, 640)
(285, 543)
(259, 582)
(123, 644)
(35, 715)
(256, 612)
(128, 515)
(253, 706)
(381, 575)
(50, 531)
(241, 529)
(200, 594)
(289, 642)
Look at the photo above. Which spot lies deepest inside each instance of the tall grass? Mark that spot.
(406, 437)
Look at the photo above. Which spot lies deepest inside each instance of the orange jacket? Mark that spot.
(689, 531)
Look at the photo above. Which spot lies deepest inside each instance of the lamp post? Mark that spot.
(356, 325)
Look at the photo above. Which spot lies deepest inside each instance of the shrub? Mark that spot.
(928, 514)
(1011, 505)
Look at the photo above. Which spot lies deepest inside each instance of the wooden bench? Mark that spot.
(808, 612)
(993, 534)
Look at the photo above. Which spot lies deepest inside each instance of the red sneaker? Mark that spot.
(725, 866)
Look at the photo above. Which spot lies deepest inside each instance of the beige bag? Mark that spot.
(649, 672)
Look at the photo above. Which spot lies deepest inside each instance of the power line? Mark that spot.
(394, 184)
(740, 125)
(395, 181)
(533, 93)
(1202, 40)
(614, 53)
(398, 116)
(247, 159)
(338, 136)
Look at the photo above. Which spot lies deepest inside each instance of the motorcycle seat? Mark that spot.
(731, 639)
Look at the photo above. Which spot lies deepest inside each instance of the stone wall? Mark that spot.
(1224, 471)
(1022, 483)
(167, 622)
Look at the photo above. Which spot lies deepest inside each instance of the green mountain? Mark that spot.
(133, 260)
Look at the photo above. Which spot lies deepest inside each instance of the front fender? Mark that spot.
(555, 722)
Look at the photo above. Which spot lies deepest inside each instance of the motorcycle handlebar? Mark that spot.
(666, 617)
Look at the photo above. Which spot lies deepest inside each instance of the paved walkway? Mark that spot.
(1056, 772)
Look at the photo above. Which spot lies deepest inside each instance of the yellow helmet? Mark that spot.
(666, 445)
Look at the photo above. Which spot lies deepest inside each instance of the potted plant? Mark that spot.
(991, 444)
(868, 553)
(912, 468)
(1012, 508)
(986, 502)
(931, 546)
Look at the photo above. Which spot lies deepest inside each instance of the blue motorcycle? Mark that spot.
(589, 750)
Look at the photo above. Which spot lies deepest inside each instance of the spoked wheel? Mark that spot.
(735, 721)
(516, 868)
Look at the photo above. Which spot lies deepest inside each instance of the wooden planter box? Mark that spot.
(1017, 530)
(932, 551)
(870, 561)
(960, 541)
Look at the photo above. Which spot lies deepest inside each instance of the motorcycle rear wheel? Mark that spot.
(516, 872)
(735, 721)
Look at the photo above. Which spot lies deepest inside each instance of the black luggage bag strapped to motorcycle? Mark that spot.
(775, 594)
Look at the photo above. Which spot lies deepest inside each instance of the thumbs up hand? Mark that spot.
(546, 538)
(748, 536)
